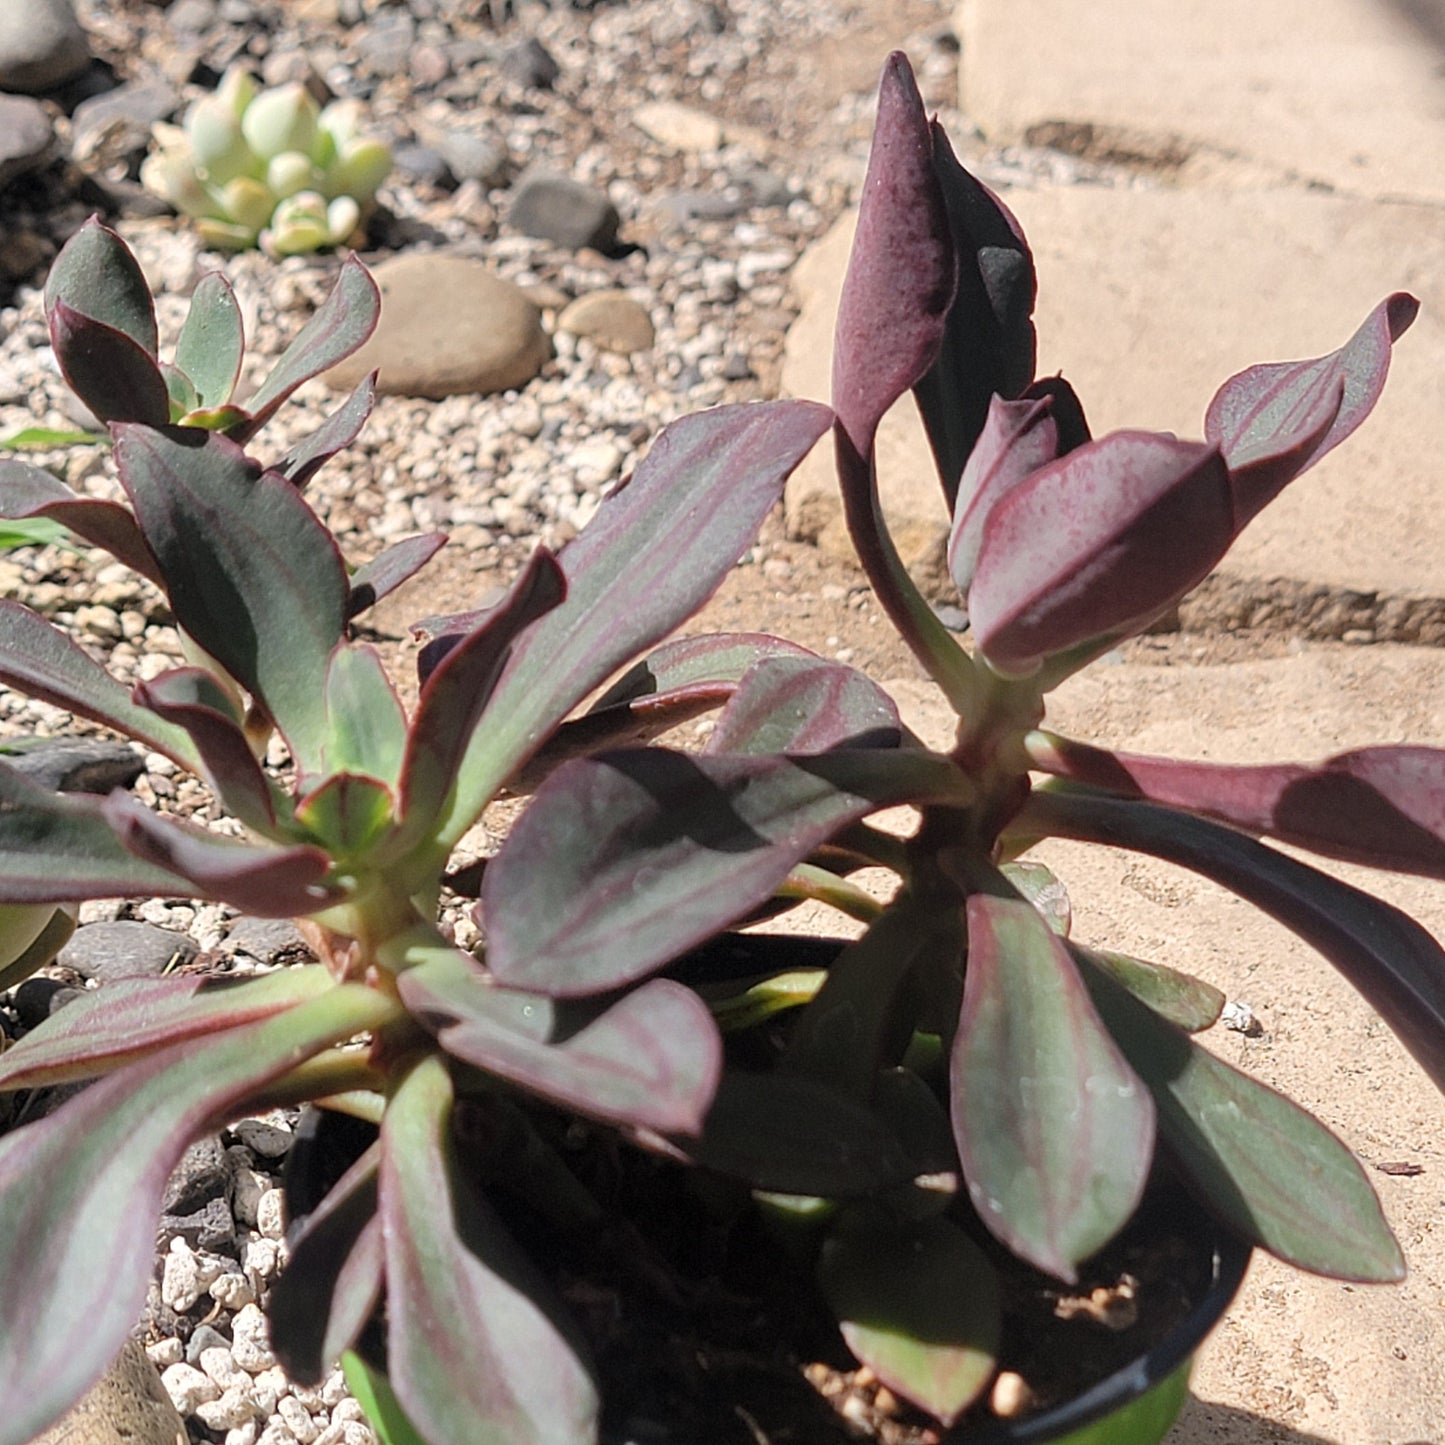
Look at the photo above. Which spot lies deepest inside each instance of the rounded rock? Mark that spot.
(449, 326)
(41, 46)
(612, 319)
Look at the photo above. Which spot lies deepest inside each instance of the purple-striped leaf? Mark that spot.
(1068, 410)
(336, 433)
(39, 660)
(919, 1305)
(1017, 439)
(104, 1029)
(80, 1192)
(251, 572)
(989, 346)
(389, 569)
(1274, 420)
(110, 373)
(677, 682)
(1385, 954)
(183, 395)
(27, 491)
(715, 657)
(340, 326)
(474, 1332)
(59, 848)
(655, 552)
(269, 882)
(627, 859)
(1271, 1169)
(458, 690)
(1054, 1130)
(212, 341)
(333, 1279)
(1099, 542)
(1383, 807)
(195, 700)
(805, 705)
(893, 311)
(651, 1060)
(97, 274)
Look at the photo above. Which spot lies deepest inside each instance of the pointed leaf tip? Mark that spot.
(1274, 420)
(902, 272)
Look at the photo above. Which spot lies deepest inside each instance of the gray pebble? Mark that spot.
(209, 1228)
(117, 125)
(559, 209)
(37, 998)
(204, 1337)
(126, 948)
(26, 137)
(201, 1176)
(41, 45)
(421, 163)
(267, 940)
(472, 157)
(530, 65)
(72, 765)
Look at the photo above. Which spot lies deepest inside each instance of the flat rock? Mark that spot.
(556, 208)
(75, 765)
(41, 45)
(26, 137)
(128, 1407)
(116, 125)
(448, 326)
(1148, 301)
(613, 319)
(125, 948)
(1296, 1353)
(1338, 92)
(680, 127)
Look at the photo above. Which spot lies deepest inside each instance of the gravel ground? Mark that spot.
(709, 237)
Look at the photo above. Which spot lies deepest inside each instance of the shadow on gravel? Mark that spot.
(1427, 19)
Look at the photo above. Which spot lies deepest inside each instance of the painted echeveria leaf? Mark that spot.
(1054, 1130)
(1272, 1170)
(477, 1347)
(902, 272)
(80, 1192)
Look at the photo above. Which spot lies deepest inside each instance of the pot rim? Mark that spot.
(1232, 1254)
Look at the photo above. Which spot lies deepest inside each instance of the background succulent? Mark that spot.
(268, 167)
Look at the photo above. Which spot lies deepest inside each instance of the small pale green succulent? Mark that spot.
(268, 167)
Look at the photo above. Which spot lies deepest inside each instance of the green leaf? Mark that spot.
(1273, 1171)
(180, 389)
(105, 1029)
(654, 553)
(389, 569)
(1054, 1130)
(919, 1305)
(341, 324)
(80, 1192)
(97, 275)
(347, 814)
(1044, 889)
(38, 533)
(477, 1347)
(339, 430)
(625, 860)
(1184, 1000)
(251, 573)
(212, 340)
(372, 1391)
(366, 726)
(37, 659)
(32, 934)
(686, 662)
(46, 438)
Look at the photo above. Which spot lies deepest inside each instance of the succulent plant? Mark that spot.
(269, 167)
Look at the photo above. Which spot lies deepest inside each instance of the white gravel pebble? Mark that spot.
(234, 1408)
(298, 1419)
(218, 1364)
(251, 1340)
(271, 1214)
(187, 1276)
(169, 1351)
(244, 1434)
(232, 1291)
(188, 1387)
